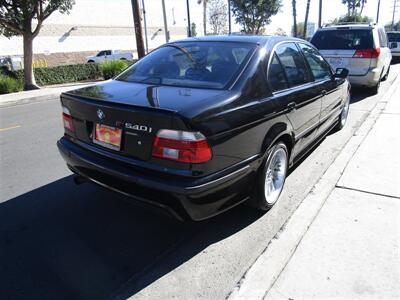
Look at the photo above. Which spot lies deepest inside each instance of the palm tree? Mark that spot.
(306, 18)
(205, 2)
(352, 6)
(294, 18)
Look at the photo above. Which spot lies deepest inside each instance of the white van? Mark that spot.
(360, 48)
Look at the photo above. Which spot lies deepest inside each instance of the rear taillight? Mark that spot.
(182, 146)
(67, 120)
(367, 53)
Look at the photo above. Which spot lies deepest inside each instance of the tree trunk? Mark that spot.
(205, 16)
(306, 18)
(362, 7)
(294, 18)
(29, 77)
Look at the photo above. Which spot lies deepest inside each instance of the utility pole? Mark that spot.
(320, 14)
(145, 27)
(377, 13)
(229, 17)
(394, 12)
(306, 18)
(294, 18)
(138, 28)
(188, 19)
(165, 22)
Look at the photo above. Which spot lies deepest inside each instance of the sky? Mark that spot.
(118, 12)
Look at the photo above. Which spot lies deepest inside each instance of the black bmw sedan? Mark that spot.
(200, 125)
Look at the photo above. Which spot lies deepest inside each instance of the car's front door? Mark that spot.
(323, 78)
(295, 92)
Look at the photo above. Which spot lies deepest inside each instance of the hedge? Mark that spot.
(69, 73)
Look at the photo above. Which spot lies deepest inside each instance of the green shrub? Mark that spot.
(112, 68)
(10, 85)
(71, 73)
(63, 74)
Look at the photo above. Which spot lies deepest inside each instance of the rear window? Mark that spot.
(191, 64)
(344, 39)
(394, 37)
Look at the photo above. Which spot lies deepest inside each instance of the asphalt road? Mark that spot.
(62, 241)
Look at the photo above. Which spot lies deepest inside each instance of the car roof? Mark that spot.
(240, 38)
(350, 26)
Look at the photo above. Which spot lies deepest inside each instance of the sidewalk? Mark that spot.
(351, 247)
(43, 94)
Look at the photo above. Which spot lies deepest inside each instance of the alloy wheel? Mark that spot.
(275, 176)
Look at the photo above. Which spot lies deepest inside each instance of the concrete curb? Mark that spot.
(49, 93)
(262, 275)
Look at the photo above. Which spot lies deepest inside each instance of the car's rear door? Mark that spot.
(295, 92)
(323, 78)
(345, 47)
(394, 42)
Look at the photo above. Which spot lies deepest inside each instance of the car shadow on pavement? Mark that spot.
(359, 94)
(63, 241)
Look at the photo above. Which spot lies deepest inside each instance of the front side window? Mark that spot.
(101, 53)
(191, 64)
(293, 63)
(276, 75)
(319, 67)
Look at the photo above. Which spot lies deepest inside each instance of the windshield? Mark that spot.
(394, 37)
(191, 64)
(343, 39)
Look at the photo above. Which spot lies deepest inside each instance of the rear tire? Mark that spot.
(375, 89)
(271, 178)
(386, 75)
(343, 115)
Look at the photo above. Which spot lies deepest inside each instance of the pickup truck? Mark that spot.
(109, 55)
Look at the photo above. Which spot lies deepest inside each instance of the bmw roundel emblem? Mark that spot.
(100, 114)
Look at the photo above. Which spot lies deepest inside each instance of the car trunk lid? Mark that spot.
(129, 113)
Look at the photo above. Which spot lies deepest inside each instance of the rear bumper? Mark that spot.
(194, 198)
(370, 79)
(396, 54)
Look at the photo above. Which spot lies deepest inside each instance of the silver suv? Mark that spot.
(360, 48)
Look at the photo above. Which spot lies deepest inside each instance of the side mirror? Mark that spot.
(341, 73)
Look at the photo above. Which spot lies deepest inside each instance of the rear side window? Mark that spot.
(276, 75)
(343, 39)
(293, 63)
(318, 66)
(382, 38)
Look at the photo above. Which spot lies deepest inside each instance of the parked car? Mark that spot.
(200, 125)
(105, 55)
(361, 48)
(12, 63)
(394, 44)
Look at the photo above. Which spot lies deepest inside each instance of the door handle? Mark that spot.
(291, 106)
